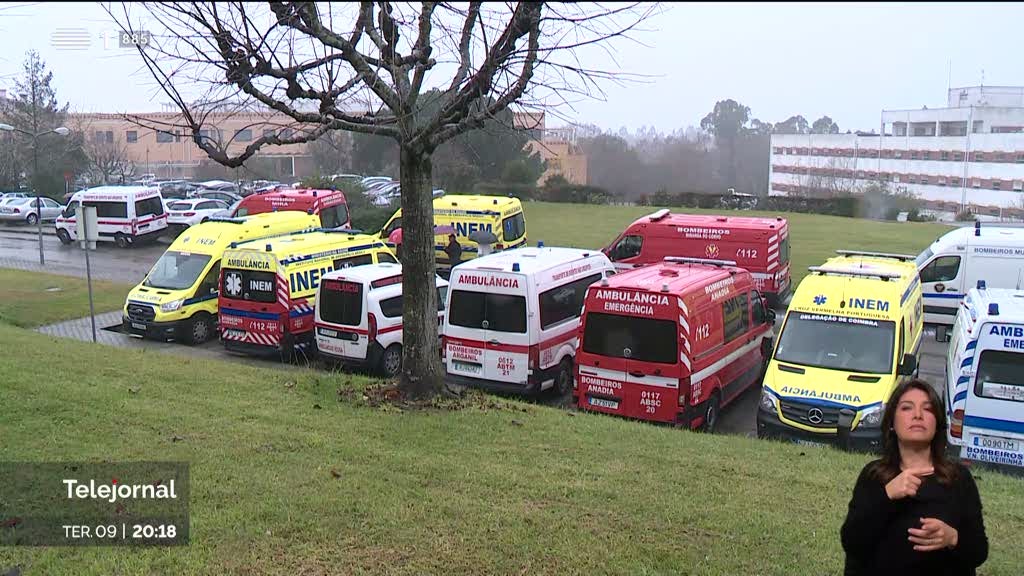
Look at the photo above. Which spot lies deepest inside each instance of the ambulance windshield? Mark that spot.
(837, 343)
(646, 339)
(176, 270)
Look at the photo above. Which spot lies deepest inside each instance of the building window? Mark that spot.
(941, 181)
(898, 154)
(268, 132)
(911, 178)
(976, 127)
(896, 178)
(979, 157)
(164, 137)
(243, 135)
(132, 136)
(945, 155)
(286, 133)
(913, 154)
(996, 184)
(1018, 185)
(976, 183)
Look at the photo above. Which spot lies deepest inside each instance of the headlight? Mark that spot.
(872, 416)
(767, 401)
(171, 306)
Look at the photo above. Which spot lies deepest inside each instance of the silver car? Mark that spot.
(24, 210)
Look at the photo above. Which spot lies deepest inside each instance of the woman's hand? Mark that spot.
(907, 483)
(934, 534)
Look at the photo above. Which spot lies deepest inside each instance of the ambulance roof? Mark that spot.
(110, 192)
(989, 235)
(856, 285)
(301, 193)
(680, 279)
(217, 234)
(530, 259)
(665, 218)
(310, 242)
(1008, 307)
(475, 202)
(369, 273)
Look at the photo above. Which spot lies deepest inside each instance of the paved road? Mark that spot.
(19, 249)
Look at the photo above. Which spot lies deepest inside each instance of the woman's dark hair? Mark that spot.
(889, 466)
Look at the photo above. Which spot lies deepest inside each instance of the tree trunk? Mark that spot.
(421, 364)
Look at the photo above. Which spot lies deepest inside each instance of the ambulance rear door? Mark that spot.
(487, 326)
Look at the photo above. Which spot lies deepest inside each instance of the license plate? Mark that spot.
(6, 211)
(602, 403)
(470, 368)
(812, 443)
(997, 443)
(233, 332)
(138, 326)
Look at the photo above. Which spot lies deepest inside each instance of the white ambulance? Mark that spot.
(359, 316)
(126, 214)
(985, 378)
(956, 261)
(513, 317)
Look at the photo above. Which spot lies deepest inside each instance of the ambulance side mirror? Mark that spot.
(908, 366)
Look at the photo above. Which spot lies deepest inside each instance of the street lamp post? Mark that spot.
(61, 131)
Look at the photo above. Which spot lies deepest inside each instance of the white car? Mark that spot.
(184, 213)
(25, 210)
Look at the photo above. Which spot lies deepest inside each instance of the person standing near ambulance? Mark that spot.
(914, 511)
(454, 251)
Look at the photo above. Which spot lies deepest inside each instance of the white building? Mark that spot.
(970, 153)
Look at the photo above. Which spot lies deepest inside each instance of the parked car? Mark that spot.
(11, 196)
(184, 213)
(225, 197)
(24, 210)
(218, 185)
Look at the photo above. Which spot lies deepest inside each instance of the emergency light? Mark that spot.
(981, 284)
(993, 309)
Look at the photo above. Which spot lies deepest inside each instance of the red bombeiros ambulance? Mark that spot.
(329, 205)
(672, 342)
(760, 245)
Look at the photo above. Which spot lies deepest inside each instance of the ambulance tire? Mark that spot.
(199, 329)
(563, 378)
(63, 236)
(121, 240)
(391, 361)
(712, 411)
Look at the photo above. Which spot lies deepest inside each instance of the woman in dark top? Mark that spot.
(914, 511)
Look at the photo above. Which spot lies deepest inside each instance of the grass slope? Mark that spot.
(813, 238)
(26, 299)
(497, 488)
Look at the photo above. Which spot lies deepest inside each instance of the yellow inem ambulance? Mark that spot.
(177, 300)
(851, 335)
(502, 216)
(268, 287)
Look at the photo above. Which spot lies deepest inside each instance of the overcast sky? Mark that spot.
(848, 61)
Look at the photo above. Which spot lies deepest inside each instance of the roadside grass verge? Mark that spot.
(31, 299)
(813, 237)
(498, 487)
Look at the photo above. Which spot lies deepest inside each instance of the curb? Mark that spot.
(27, 230)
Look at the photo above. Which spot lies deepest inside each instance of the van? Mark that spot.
(268, 287)
(499, 215)
(329, 205)
(359, 316)
(759, 245)
(672, 342)
(958, 259)
(126, 214)
(984, 393)
(851, 335)
(177, 300)
(512, 318)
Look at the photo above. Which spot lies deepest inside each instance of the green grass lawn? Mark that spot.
(30, 299)
(496, 488)
(813, 238)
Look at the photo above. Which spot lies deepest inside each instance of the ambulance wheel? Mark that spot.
(199, 329)
(63, 236)
(121, 240)
(32, 219)
(391, 361)
(711, 412)
(563, 380)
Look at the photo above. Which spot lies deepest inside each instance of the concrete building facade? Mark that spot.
(969, 154)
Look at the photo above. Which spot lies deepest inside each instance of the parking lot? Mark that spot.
(19, 249)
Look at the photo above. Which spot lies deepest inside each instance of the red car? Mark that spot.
(672, 342)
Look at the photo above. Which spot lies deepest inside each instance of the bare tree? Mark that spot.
(109, 161)
(363, 68)
(832, 179)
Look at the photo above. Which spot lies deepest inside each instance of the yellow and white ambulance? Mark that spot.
(463, 215)
(851, 335)
(177, 300)
(268, 287)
